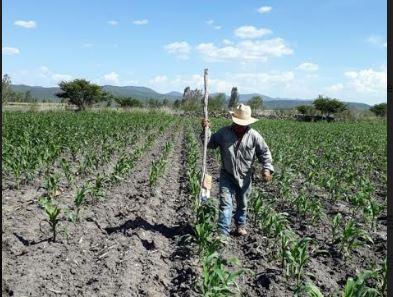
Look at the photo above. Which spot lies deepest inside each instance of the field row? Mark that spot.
(320, 225)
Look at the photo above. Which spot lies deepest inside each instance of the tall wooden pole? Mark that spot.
(206, 179)
(205, 103)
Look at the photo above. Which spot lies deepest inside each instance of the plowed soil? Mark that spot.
(133, 242)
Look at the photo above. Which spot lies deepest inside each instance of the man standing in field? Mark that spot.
(238, 144)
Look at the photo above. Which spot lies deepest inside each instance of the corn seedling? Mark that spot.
(297, 258)
(217, 280)
(371, 211)
(51, 183)
(336, 222)
(67, 171)
(358, 286)
(52, 211)
(80, 198)
(351, 236)
(311, 290)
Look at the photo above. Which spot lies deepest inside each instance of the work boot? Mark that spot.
(241, 231)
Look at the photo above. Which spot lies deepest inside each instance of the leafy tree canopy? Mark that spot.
(327, 105)
(218, 102)
(81, 93)
(379, 109)
(305, 109)
(256, 103)
(234, 99)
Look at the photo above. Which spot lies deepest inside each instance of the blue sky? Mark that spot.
(286, 48)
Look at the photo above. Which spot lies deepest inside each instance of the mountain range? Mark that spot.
(144, 93)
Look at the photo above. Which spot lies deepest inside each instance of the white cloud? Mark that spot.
(367, 80)
(140, 22)
(158, 79)
(227, 42)
(26, 24)
(113, 23)
(364, 85)
(257, 80)
(44, 70)
(181, 49)
(264, 9)
(87, 45)
(246, 82)
(112, 77)
(377, 40)
(132, 82)
(251, 32)
(215, 27)
(59, 77)
(209, 50)
(385, 45)
(50, 76)
(335, 88)
(248, 50)
(9, 51)
(309, 67)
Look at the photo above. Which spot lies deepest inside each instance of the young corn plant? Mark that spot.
(311, 290)
(287, 241)
(52, 212)
(156, 170)
(217, 280)
(336, 222)
(69, 175)
(297, 258)
(371, 211)
(383, 279)
(358, 286)
(97, 187)
(79, 200)
(315, 211)
(204, 228)
(256, 205)
(351, 236)
(51, 184)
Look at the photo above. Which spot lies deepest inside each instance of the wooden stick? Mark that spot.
(205, 102)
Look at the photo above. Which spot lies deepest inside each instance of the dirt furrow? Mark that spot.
(91, 262)
(252, 252)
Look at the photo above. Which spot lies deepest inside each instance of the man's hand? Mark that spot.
(205, 123)
(266, 175)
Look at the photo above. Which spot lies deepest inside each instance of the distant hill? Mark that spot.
(38, 92)
(144, 93)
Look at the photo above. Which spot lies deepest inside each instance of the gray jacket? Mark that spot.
(238, 164)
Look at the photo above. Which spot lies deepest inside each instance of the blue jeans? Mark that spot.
(229, 189)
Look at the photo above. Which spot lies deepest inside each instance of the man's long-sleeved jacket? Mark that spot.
(237, 163)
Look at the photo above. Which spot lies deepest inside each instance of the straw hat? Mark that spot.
(242, 115)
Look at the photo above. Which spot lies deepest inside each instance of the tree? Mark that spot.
(256, 103)
(305, 109)
(379, 109)
(328, 106)
(16, 96)
(191, 99)
(234, 99)
(6, 91)
(153, 103)
(28, 97)
(217, 102)
(107, 97)
(80, 92)
(177, 103)
(126, 102)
